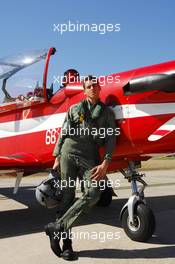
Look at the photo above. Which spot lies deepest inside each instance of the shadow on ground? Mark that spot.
(32, 220)
(150, 253)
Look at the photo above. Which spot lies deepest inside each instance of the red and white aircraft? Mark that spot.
(143, 101)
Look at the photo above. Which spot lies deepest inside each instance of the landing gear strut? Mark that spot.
(18, 181)
(137, 218)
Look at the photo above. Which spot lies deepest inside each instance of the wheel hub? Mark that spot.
(134, 226)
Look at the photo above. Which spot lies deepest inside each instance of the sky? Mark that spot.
(145, 36)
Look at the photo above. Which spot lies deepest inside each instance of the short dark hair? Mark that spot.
(73, 71)
(92, 78)
(70, 73)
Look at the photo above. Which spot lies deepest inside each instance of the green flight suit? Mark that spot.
(78, 145)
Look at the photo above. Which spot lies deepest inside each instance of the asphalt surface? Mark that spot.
(99, 237)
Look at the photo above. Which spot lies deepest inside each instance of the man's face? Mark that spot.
(92, 90)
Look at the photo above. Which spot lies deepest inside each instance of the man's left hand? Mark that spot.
(99, 172)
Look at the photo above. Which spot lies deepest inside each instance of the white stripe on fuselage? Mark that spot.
(31, 125)
(43, 123)
(141, 110)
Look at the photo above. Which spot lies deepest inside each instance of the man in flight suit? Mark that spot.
(78, 153)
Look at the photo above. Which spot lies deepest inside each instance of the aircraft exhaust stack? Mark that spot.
(160, 82)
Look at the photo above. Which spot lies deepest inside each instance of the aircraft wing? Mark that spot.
(163, 130)
(18, 160)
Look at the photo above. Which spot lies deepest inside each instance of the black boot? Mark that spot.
(54, 233)
(68, 253)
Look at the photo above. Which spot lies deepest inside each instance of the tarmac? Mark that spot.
(99, 237)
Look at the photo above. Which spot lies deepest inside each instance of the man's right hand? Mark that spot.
(56, 163)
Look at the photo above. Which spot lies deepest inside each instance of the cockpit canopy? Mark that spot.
(22, 87)
(11, 65)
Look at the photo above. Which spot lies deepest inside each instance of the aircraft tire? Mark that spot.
(144, 223)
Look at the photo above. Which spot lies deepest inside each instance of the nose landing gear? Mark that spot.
(137, 218)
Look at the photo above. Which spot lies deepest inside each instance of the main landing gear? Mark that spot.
(137, 218)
